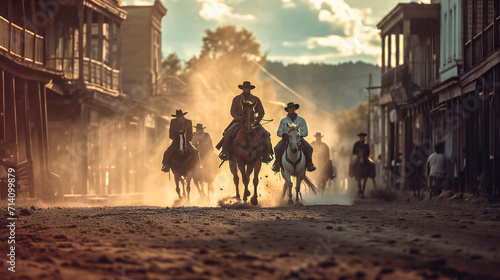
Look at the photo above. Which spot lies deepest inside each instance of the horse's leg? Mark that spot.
(374, 183)
(177, 189)
(188, 187)
(256, 172)
(234, 170)
(244, 178)
(359, 186)
(290, 185)
(249, 170)
(363, 189)
(297, 189)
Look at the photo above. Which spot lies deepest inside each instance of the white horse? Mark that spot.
(293, 162)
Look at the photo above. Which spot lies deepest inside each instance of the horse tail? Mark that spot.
(310, 185)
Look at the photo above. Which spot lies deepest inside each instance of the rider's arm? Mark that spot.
(171, 131)
(234, 107)
(281, 128)
(259, 109)
(303, 128)
(189, 133)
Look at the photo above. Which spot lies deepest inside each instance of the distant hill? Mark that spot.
(332, 87)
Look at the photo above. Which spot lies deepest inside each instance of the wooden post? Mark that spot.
(42, 144)
(397, 49)
(81, 51)
(89, 42)
(383, 53)
(100, 55)
(406, 42)
(119, 55)
(111, 42)
(29, 155)
(389, 51)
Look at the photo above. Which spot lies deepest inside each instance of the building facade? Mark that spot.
(442, 91)
(24, 74)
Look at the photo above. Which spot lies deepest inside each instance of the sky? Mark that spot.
(290, 31)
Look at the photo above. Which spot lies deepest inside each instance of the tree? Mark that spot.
(228, 57)
(171, 65)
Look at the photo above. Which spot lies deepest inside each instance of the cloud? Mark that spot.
(359, 33)
(137, 2)
(287, 4)
(221, 12)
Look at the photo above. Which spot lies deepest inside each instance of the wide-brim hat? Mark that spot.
(199, 126)
(318, 134)
(291, 105)
(5, 150)
(179, 113)
(246, 84)
(362, 134)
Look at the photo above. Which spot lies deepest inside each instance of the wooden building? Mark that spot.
(480, 103)
(444, 89)
(87, 111)
(24, 74)
(410, 55)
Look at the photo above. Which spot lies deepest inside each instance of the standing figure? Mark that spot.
(436, 169)
(235, 125)
(293, 118)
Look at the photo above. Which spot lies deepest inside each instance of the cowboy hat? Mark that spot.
(246, 84)
(362, 134)
(318, 134)
(179, 113)
(290, 105)
(199, 126)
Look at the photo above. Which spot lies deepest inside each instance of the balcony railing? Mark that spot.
(98, 73)
(21, 42)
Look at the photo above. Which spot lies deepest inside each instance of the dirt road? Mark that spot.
(369, 240)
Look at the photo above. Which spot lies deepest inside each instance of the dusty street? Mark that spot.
(371, 239)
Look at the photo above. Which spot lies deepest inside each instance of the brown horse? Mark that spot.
(246, 152)
(364, 169)
(183, 165)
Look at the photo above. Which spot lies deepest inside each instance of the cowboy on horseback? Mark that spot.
(236, 113)
(202, 141)
(322, 155)
(360, 149)
(292, 118)
(179, 126)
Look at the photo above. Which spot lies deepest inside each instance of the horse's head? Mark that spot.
(248, 116)
(182, 142)
(293, 137)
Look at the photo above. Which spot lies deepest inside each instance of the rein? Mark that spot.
(294, 164)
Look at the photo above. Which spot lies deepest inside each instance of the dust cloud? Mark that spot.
(212, 86)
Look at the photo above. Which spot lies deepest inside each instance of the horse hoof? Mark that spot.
(254, 201)
(290, 201)
(298, 203)
(247, 193)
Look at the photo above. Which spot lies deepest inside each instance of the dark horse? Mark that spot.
(324, 174)
(364, 168)
(184, 162)
(205, 174)
(246, 152)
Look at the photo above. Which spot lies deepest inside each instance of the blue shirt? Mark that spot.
(299, 121)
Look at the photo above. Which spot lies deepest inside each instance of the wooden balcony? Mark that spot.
(21, 43)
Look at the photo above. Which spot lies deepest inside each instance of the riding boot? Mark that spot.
(277, 163)
(219, 145)
(309, 164)
(165, 168)
(267, 154)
